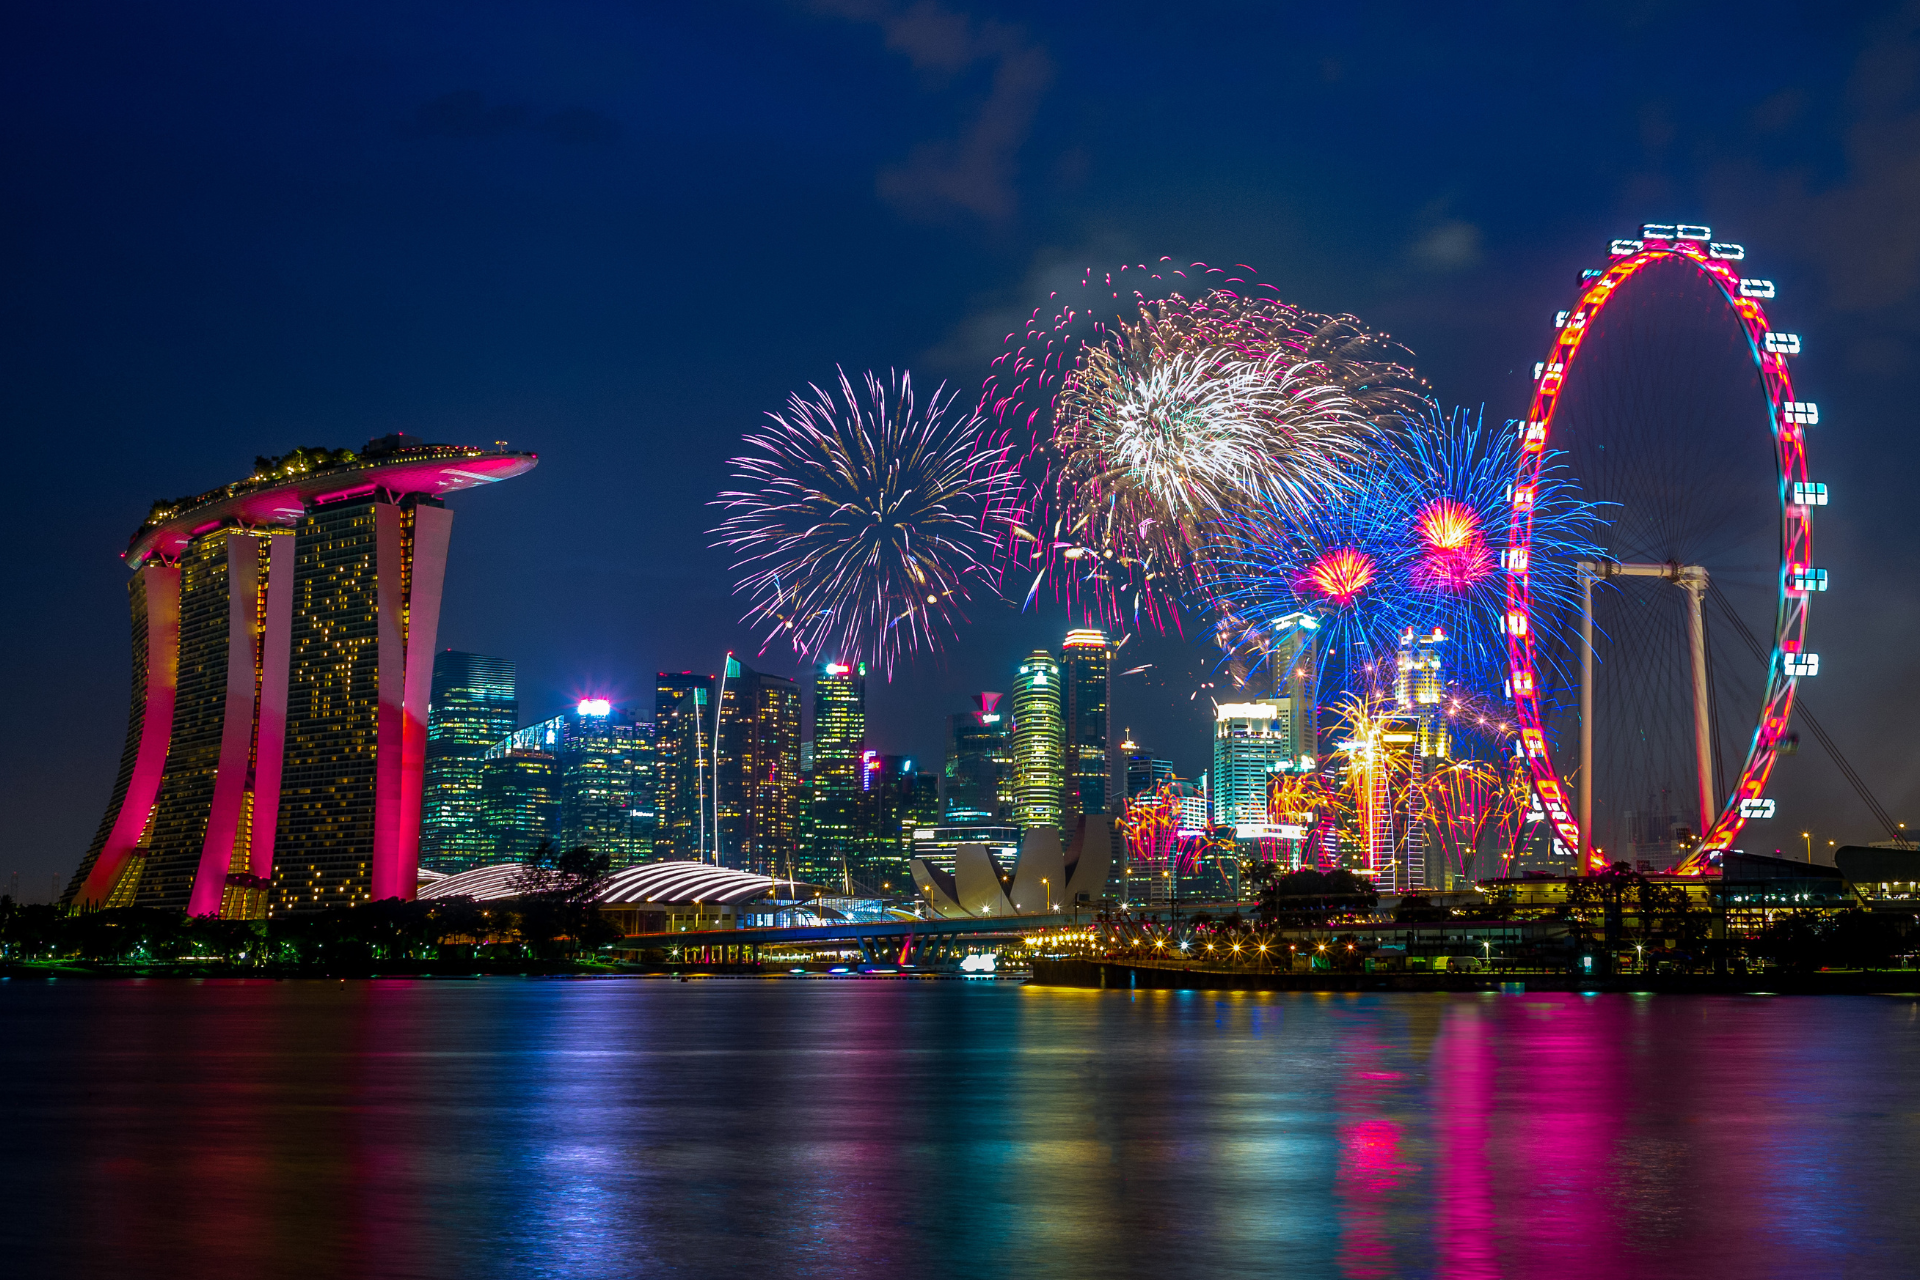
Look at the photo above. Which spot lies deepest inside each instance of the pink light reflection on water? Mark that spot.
(1463, 1087)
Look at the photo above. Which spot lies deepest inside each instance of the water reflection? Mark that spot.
(864, 1129)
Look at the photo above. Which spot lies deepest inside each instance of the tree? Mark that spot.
(1307, 896)
(556, 906)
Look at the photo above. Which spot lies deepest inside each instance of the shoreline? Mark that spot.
(1116, 975)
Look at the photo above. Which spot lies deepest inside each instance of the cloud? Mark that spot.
(973, 172)
(1451, 246)
(466, 113)
(1859, 231)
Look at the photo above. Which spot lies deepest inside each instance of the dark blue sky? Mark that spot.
(617, 234)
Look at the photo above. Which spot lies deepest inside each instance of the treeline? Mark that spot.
(552, 919)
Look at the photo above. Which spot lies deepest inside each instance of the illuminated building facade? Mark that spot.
(897, 800)
(1250, 743)
(682, 748)
(759, 795)
(1039, 773)
(1145, 771)
(832, 848)
(519, 802)
(1295, 665)
(603, 756)
(939, 844)
(1094, 778)
(283, 665)
(977, 776)
(1420, 733)
(473, 706)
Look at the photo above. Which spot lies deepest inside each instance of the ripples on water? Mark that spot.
(859, 1128)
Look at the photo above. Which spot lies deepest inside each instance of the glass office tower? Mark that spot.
(1039, 773)
(1095, 776)
(977, 777)
(682, 748)
(839, 739)
(759, 794)
(474, 706)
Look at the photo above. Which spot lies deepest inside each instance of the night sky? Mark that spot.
(617, 234)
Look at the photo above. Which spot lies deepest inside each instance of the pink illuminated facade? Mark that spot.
(283, 635)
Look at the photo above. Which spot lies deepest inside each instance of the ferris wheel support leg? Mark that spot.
(1693, 578)
(1586, 572)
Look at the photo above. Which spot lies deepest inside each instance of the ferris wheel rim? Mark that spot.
(1788, 419)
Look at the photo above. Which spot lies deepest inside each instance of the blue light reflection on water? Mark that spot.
(856, 1128)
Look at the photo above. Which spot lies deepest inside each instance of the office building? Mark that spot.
(1145, 771)
(1296, 666)
(832, 849)
(977, 775)
(938, 844)
(897, 800)
(1094, 775)
(605, 762)
(759, 793)
(1250, 744)
(1039, 773)
(682, 751)
(283, 646)
(1419, 687)
(519, 802)
(473, 707)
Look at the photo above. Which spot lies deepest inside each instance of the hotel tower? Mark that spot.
(283, 651)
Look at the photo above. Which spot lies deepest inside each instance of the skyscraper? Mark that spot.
(519, 802)
(898, 799)
(977, 776)
(1094, 776)
(1295, 666)
(759, 794)
(1039, 774)
(283, 660)
(1419, 688)
(604, 759)
(839, 738)
(1145, 771)
(602, 783)
(1250, 743)
(473, 707)
(682, 745)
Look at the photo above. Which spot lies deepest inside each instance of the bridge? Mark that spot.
(895, 941)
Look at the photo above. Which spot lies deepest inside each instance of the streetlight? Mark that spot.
(1049, 891)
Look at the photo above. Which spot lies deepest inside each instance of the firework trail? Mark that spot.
(865, 521)
(1156, 401)
(1417, 538)
(1338, 564)
(1455, 477)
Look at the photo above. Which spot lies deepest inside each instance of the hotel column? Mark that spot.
(431, 529)
(236, 729)
(269, 752)
(160, 590)
(408, 625)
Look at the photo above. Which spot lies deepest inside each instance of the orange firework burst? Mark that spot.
(1456, 552)
(1339, 575)
(1447, 525)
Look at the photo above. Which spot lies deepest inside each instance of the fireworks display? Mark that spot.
(1157, 403)
(865, 521)
(1167, 443)
(1452, 473)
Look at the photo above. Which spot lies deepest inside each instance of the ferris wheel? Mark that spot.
(1666, 397)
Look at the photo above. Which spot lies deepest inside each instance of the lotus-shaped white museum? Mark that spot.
(1044, 880)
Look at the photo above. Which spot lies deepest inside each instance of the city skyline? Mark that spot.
(446, 264)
